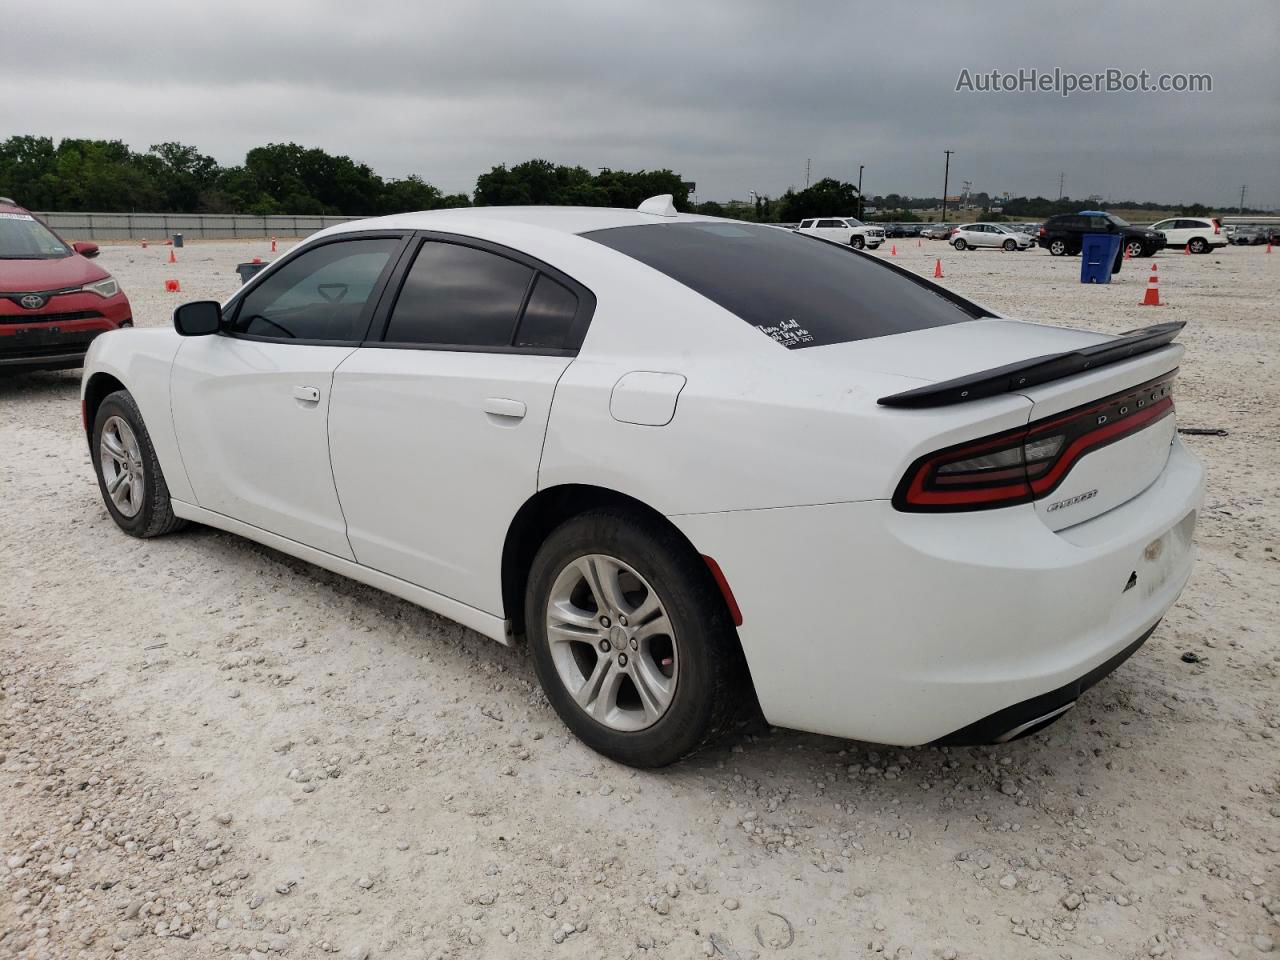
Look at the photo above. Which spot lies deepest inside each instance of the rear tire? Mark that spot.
(959, 243)
(653, 671)
(1199, 245)
(129, 474)
(1058, 247)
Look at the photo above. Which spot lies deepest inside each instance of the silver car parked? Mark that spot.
(971, 236)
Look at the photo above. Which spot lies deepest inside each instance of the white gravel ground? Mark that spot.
(211, 750)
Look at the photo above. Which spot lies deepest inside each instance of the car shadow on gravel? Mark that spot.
(47, 383)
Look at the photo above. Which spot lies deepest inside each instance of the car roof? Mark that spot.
(11, 206)
(560, 219)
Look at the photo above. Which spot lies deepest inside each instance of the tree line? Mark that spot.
(108, 176)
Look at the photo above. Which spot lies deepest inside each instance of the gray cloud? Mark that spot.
(734, 94)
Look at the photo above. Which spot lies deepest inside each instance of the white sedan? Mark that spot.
(694, 464)
(972, 236)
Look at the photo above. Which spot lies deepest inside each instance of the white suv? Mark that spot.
(844, 230)
(1198, 233)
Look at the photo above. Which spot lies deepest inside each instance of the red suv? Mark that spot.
(53, 301)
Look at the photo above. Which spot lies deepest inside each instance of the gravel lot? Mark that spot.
(208, 749)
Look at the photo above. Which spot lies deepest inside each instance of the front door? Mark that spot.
(250, 404)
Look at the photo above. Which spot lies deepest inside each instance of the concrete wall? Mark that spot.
(193, 226)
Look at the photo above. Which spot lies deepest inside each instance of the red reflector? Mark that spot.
(1022, 465)
(718, 575)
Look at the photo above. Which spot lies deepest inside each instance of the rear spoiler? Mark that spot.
(1014, 377)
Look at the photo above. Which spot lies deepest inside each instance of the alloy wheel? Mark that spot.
(122, 471)
(612, 643)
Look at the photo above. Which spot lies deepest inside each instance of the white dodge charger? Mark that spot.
(696, 464)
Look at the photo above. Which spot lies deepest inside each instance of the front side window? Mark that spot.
(322, 294)
(23, 237)
(459, 296)
(796, 290)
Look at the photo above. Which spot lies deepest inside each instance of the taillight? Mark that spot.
(1042, 231)
(1217, 227)
(1023, 465)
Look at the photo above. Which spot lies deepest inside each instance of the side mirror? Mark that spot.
(85, 249)
(198, 318)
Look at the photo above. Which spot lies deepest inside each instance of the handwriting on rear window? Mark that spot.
(789, 333)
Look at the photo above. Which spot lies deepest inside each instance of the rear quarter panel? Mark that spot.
(142, 360)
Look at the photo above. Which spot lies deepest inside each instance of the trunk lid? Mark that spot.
(1114, 465)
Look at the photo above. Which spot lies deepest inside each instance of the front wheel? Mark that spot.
(857, 242)
(1010, 244)
(1058, 248)
(129, 475)
(631, 640)
(1134, 249)
(959, 243)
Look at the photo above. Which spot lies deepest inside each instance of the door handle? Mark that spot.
(307, 394)
(502, 407)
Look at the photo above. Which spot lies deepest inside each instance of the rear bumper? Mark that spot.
(58, 336)
(863, 622)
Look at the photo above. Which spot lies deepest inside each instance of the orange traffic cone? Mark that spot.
(1186, 251)
(172, 258)
(917, 241)
(273, 244)
(937, 269)
(1127, 255)
(1152, 299)
(172, 286)
(1268, 246)
(893, 250)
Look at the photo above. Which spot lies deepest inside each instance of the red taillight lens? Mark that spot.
(1217, 227)
(1026, 464)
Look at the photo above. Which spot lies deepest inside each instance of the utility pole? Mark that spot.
(860, 166)
(946, 177)
(1242, 187)
(1062, 179)
(806, 172)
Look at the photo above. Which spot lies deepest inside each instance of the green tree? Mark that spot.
(826, 198)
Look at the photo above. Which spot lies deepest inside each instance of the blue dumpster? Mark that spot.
(1099, 257)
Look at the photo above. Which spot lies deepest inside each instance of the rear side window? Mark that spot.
(459, 296)
(548, 319)
(797, 290)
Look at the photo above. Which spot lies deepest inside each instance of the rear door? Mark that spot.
(250, 404)
(437, 424)
(833, 230)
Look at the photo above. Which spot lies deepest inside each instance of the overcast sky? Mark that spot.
(733, 94)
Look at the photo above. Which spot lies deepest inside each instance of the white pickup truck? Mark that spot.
(844, 230)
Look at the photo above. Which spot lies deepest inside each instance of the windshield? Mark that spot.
(795, 289)
(23, 237)
(1117, 221)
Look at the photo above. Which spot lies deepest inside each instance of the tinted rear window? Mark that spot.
(800, 291)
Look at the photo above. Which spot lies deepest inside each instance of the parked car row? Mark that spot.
(1249, 234)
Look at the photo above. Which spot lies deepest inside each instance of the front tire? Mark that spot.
(631, 640)
(1058, 248)
(857, 242)
(1134, 249)
(129, 474)
(1010, 245)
